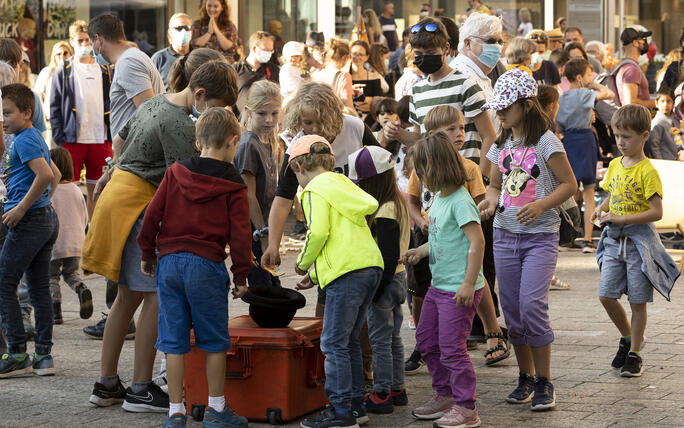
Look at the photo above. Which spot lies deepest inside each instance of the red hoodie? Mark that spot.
(200, 206)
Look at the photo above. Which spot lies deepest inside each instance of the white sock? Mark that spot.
(176, 408)
(217, 403)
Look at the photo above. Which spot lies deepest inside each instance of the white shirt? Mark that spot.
(89, 103)
(469, 67)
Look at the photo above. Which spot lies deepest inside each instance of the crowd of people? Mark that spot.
(445, 158)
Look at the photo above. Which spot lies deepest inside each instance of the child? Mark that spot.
(335, 211)
(257, 160)
(373, 170)
(290, 76)
(191, 274)
(455, 248)
(574, 120)
(661, 143)
(630, 255)
(388, 110)
(29, 230)
(72, 213)
(533, 177)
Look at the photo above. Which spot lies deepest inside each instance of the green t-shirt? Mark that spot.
(447, 243)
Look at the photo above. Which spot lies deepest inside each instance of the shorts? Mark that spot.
(587, 182)
(193, 293)
(419, 276)
(92, 155)
(130, 274)
(621, 272)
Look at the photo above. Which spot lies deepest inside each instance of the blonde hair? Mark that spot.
(59, 45)
(441, 116)
(374, 24)
(338, 49)
(77, 27)
(262, 94)
(437, 162)
(409, 55)
(632, 116)
(215, 126)
(312, 161)
(322, 100)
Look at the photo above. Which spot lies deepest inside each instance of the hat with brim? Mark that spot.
(304, 146)
(272, 306)
(631, 34)
(515, 84)
(368, 162)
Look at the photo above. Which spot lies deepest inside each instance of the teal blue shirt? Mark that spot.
(447, 243)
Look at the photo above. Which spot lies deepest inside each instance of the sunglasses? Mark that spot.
(539, 37)
(491, 41)
(182, 27)
(430, 28)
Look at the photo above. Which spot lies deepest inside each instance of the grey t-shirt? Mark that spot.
(256, 158)
(134, 73)
(526, 177)
(163, 60)
(574, 109)
(159, 134)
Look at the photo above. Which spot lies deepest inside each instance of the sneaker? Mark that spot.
(328, 418)
(399, 397)
(588, 247)
(104, 397)
(621, 355)
(97, 331)
(459, 417)
(43, 365)
(85, 299)
(411, 323)
(544, 395)
(160, 381)
(434, 409)
(11, 366)
(175, 421)
(414, 362)
(28, 325)
(358, 407)
(375, 403)
(524, 392)
(57, 313)
(151, 399)
(632, 366)
(226, 418)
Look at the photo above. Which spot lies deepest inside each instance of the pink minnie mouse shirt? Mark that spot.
(526, 177)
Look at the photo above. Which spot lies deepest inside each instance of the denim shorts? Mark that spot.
(621, 272)
(193, 293)
(130, 274)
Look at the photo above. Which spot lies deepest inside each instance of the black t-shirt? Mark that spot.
(257, 158)
(547, 74)
(389, 30)
(247, 76)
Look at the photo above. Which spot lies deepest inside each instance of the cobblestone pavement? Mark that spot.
(589, 393)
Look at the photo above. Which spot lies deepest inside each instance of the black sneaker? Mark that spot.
(329, 419)
(151, 399)
(414, 362)
(104, 397)
(358, 408)
(524, 392)
(376, 403)
(85, 299)
(57, 313)
(399, 398)
(621, 355)
(97, 331)
(632, 366)
(544, 395)
(11, 366)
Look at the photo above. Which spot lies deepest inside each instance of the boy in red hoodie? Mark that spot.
(200, 206)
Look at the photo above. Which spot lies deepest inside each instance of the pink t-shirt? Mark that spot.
(70, 206)
(631, 73)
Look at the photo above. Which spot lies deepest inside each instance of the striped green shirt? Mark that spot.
(457, 90)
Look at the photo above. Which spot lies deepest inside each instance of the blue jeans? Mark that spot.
(27, 248)
(384, 329)
(346, 305)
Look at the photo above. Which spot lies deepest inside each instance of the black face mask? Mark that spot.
(428, 64)
(644, 50)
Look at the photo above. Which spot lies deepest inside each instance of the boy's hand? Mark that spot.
(148, 268)
(412, 256)
(12, 217)
(304, 284)
(596, 215)
(465, 295)
(530, 212)
(239, 291)
(271, 257)
(299, 271)
(609, 217)
(392, 130)
(102, 182)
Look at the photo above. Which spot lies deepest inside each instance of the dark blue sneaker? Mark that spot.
(523, 393)
(225, 419)
(633, 366)
(43, 365)
(621, 355)
(358, 408)
(11, 366)
(329, 419)
(97, 331)
(175, 421)
(544, 395)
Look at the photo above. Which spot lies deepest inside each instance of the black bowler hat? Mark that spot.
(273, 306)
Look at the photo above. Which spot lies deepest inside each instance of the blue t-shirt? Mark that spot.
(448, 245)
(28, 145)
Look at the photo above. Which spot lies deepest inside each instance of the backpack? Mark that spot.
(606, 108)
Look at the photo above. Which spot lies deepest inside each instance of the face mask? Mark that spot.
(535, 58)
(449, 59)
(263, 56)
(196, 112)
(101, 59)
(423, 13)
(643, 59)
(644, 49)
(490, 55)
(428, 64)
(83, 51)
(180, 38)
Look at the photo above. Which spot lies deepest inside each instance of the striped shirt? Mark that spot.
(457, 90)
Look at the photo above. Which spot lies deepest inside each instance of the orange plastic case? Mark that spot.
(272, 374)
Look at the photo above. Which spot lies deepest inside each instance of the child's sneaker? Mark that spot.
(151, 399)
(633, 366)
(85, 299)
(588, 247)
(358, 408)
(328, 418)
(524, 392)
(399, 397)
(460, 417)
(225, 419)
(15, 365)
(435, 408)
(544, 395)
(621, 355)
(104, 397)
(175, 421)
(43, 365)
(376, 403)
(414, 362)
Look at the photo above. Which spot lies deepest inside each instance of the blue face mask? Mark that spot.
(490, 55)
(101, 59)
(196, 112)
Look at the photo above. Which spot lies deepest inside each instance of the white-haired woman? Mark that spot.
(520, 54)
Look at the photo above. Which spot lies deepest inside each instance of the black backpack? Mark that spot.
(606, 108)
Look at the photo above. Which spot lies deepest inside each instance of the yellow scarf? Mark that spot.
(520, 66)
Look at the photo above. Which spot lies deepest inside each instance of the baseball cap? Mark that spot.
(631, 34)
(515, 84)
(302, 146)
(369, 161)
(292, 49)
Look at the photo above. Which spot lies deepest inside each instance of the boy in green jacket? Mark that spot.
(345, 260)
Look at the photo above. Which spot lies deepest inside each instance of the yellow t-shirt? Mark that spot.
(630, 188)
(388, 210)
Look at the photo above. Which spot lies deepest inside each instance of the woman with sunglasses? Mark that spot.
(178, 36)
(60, 52)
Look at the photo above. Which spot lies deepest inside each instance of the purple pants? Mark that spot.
(441, 339)
(525, 263)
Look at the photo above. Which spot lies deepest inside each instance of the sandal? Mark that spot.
(557, 284)
(499, 347)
